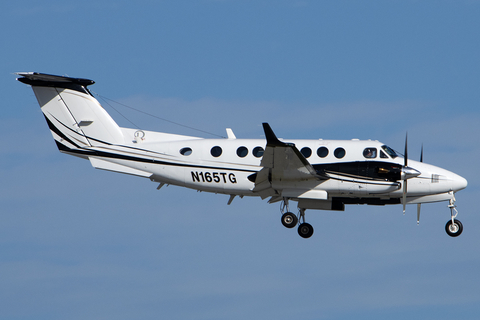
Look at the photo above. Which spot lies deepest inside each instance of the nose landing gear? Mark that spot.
(453, 227)
(290, 220)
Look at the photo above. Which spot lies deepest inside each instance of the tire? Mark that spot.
(305, 230)
(289, 220)
(455, 229)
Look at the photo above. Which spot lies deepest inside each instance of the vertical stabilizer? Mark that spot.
(74, 116)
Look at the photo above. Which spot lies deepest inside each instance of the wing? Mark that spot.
(284, 167)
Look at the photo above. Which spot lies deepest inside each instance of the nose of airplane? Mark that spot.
(458, 183)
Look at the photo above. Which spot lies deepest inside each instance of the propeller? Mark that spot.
(407, 173)
(419, 204)
(421, 154)
(404, 177)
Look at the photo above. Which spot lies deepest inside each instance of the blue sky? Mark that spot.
(78, 243)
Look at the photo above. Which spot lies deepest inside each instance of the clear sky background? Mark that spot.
(80, 243)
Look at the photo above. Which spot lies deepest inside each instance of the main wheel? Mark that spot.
(289, 220)
(305, 230)
(454, 229)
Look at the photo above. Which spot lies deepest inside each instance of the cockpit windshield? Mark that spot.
(389, 151)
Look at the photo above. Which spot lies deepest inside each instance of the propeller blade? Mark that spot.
(421, 154)
(406, 150)
(418, 212)
(405, 161)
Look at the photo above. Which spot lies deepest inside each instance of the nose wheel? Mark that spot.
(453, 227)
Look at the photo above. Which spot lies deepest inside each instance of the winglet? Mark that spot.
(272, 139)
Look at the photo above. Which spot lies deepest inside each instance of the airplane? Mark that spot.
(316, 174)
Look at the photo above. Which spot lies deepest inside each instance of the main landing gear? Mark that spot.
(290, 220)
(453, 227)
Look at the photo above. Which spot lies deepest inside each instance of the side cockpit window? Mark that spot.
(389, 151)
(370, 153)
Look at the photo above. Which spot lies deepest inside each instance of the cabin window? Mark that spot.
(186, 151)
(242, 152)
(339, 153)
(216, 151)
(258, 152)
(370, 153)
(322, 152)
(383, 155)
(306, 151)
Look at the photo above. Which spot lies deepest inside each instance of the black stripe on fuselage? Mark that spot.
(374, 170)
(365, 174)
(110, 155)
(51, 125)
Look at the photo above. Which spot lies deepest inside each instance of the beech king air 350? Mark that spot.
(317, 174)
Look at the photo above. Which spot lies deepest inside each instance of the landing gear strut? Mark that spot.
(453, 227)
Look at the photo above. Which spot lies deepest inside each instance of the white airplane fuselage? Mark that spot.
(228, 173)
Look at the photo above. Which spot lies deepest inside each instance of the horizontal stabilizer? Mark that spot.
(110, 166)
(50, 80)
